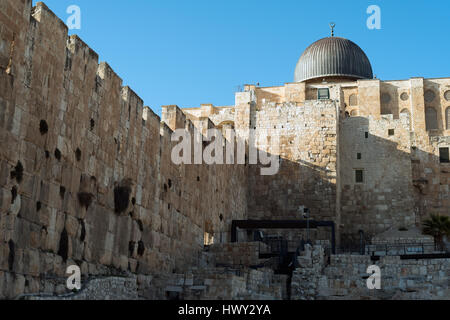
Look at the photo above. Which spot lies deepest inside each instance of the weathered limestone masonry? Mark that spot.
(110, 288)
(207, 282)
(391, 132)
(307, 138)
(86, 175)
(236, 254)
(426, 103)
(346, 278)
(220, 283)
(385, 199)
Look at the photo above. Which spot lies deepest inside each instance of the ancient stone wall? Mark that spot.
(346, 278)
(107, 288)
(208, 284)
(218, 115)
(384, 197)
(411, 98)
(86, 173)
(404, 179)
(305, 138)
(221, 284)
(431, 179)
(238, 254)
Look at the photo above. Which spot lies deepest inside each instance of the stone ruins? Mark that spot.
(87, 180)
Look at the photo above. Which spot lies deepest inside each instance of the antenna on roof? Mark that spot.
(332, 26)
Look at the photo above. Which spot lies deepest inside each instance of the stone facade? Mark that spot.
(109, 288)
(376, 127)
(385, 198)
(86, 171)
(238, 254)
(345, 278)
(87, 179)
(307, 137)
(219, 275)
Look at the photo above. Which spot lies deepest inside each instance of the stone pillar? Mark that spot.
(418, 124)
(174, 117)
(369, 98)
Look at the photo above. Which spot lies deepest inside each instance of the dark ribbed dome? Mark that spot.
(333, 57)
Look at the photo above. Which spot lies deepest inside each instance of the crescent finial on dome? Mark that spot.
(332, 26)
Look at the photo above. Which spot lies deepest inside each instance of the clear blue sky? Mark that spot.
(200, 51)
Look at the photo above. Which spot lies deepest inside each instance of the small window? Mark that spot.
(367, 135)
(359, 176)
(444, 155)
(359, 156)
(391, 132)
(208, 239)
(323, 94)
(429, 95)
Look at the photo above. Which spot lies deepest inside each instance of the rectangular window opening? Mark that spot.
(391, 132)
(323, 94)
(444, 156)
(208, 239)
(359, 176)
(367, 135)
(359, 156)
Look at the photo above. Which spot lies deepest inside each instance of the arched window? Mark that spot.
(429, 95)
(431, 118)
(353, 100)
(405, 111)
(447, 117)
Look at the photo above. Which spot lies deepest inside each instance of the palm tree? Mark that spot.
(437, 226)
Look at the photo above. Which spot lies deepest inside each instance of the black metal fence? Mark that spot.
(401, 249)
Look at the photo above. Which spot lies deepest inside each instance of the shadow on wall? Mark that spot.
(402, 184)
(383, 182)
(431, 182)
(296, 183)
(434, 117)
(389, 100)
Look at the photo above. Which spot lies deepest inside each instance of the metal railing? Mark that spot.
(401, 249)
(278, 245)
